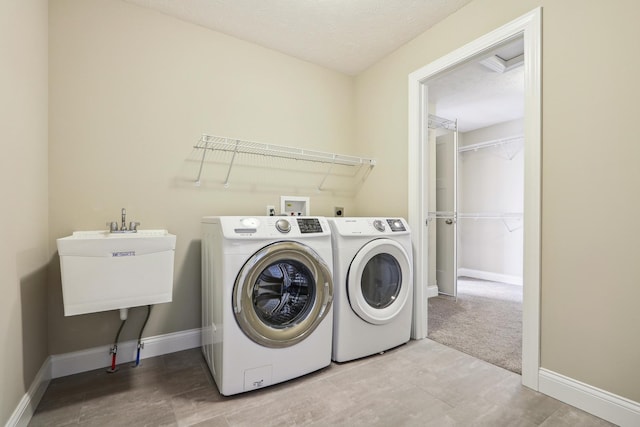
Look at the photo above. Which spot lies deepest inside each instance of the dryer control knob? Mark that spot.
(378, 225)
(283, 226)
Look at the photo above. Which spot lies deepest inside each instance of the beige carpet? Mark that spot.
(485, 321)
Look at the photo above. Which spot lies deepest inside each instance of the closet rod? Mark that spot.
(512, 221)
(441, 214)
(492, 143)
(475, 215)
(491, 215)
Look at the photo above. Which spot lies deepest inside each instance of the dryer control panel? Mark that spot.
(396, 225)
(374, 227)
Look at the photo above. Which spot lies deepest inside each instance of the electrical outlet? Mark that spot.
(338, 211)
(271, 210)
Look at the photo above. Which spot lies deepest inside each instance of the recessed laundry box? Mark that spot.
(108, 271)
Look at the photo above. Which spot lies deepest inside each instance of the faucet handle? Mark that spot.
(113, 226)
(133, 226)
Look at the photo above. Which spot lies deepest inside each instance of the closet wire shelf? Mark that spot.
(238, 146)
(436, 122)
(509, 147)
(507, 218)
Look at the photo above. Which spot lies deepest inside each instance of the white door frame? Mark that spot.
(528, 26)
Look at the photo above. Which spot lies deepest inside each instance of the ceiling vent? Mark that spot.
(501, 65)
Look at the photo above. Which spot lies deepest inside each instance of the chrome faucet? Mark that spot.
(133, 225)
(123, 227)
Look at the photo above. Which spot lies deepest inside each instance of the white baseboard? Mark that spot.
(29, 402)
(601, 403)
(61, 365)
(99, 357)
(488, 275)
(432, 291)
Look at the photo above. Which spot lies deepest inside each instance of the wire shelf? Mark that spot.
(436, 122)
(239, 146)
(509, 146)
(511, 220)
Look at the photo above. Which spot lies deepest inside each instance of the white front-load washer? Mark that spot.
(373, 284)
(267, 293)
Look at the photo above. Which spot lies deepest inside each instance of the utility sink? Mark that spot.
(103, 271)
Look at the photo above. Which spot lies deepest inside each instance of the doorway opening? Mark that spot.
(526, 29)
(475, 198)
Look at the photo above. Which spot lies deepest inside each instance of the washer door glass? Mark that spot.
(379, 281)
(282, 294)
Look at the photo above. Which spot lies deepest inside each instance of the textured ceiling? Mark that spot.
(343, 35)
(351, 35)
(478, 96)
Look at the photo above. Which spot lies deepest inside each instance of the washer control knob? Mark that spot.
(378, 225)
(283, 226)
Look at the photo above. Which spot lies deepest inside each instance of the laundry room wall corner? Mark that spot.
(127, 108)
(577, 258)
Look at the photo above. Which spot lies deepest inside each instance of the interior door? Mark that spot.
(444, 217)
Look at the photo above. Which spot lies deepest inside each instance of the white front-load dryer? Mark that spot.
(373, 285)
(267, 292)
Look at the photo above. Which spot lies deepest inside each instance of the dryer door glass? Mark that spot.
(282, 293)
(379, 282)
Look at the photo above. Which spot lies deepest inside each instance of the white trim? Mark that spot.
(29, 402)
(491, 276)
(530, 27)
(601, 403)
(417, 208)
(532, 200)
(94, 358)
(432, 291)
(99, 357)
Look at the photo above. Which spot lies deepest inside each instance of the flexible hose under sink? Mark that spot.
(140, 336)
(114, 349)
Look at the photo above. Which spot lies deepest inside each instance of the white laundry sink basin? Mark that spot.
(107, 271)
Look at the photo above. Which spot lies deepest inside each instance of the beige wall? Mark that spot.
(131, 92)
(590, 172)
(490, 180)
(23, 190)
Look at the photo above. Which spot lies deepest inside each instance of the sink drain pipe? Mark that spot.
(140, 345)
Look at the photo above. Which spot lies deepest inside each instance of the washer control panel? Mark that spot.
(378, 225)
(263, 227)
(309, 225)
(283, 225)
(250, 222)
